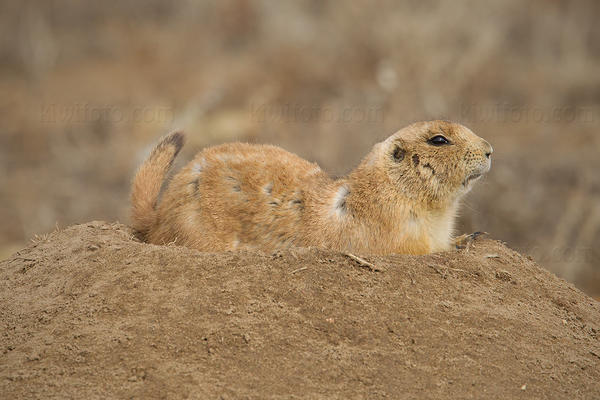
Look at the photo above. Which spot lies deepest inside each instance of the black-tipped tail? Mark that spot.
(149, 179)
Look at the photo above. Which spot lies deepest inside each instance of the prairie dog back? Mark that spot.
(234, 194)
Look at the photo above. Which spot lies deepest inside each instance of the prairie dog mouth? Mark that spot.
(477, 173)
(473, 177)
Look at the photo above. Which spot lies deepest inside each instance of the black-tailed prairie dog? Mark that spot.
(402, 197)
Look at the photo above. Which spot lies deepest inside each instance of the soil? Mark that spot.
(91, 312)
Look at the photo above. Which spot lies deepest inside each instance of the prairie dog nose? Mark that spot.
(488, 149)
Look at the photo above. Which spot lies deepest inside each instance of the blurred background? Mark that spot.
(86, 88)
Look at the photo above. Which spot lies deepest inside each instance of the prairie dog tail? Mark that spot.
(149, 179)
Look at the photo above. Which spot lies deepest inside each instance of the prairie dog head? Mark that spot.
(434, 161)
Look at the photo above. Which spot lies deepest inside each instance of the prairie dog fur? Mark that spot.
(402, 197)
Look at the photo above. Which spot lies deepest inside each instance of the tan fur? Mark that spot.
(149, 179)
(242, 196)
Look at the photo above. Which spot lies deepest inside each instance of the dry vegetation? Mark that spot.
(86, 87)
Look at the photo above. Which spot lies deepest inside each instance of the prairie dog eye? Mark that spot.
(438, 140)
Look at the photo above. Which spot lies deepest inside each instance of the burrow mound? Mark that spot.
(90, 312)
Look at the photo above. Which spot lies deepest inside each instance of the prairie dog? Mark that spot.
(402, 197)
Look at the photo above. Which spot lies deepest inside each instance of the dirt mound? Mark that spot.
(89, 312)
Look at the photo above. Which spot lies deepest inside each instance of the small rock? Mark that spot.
(504, 275)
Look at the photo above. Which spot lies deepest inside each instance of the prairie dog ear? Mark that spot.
(398, 153)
